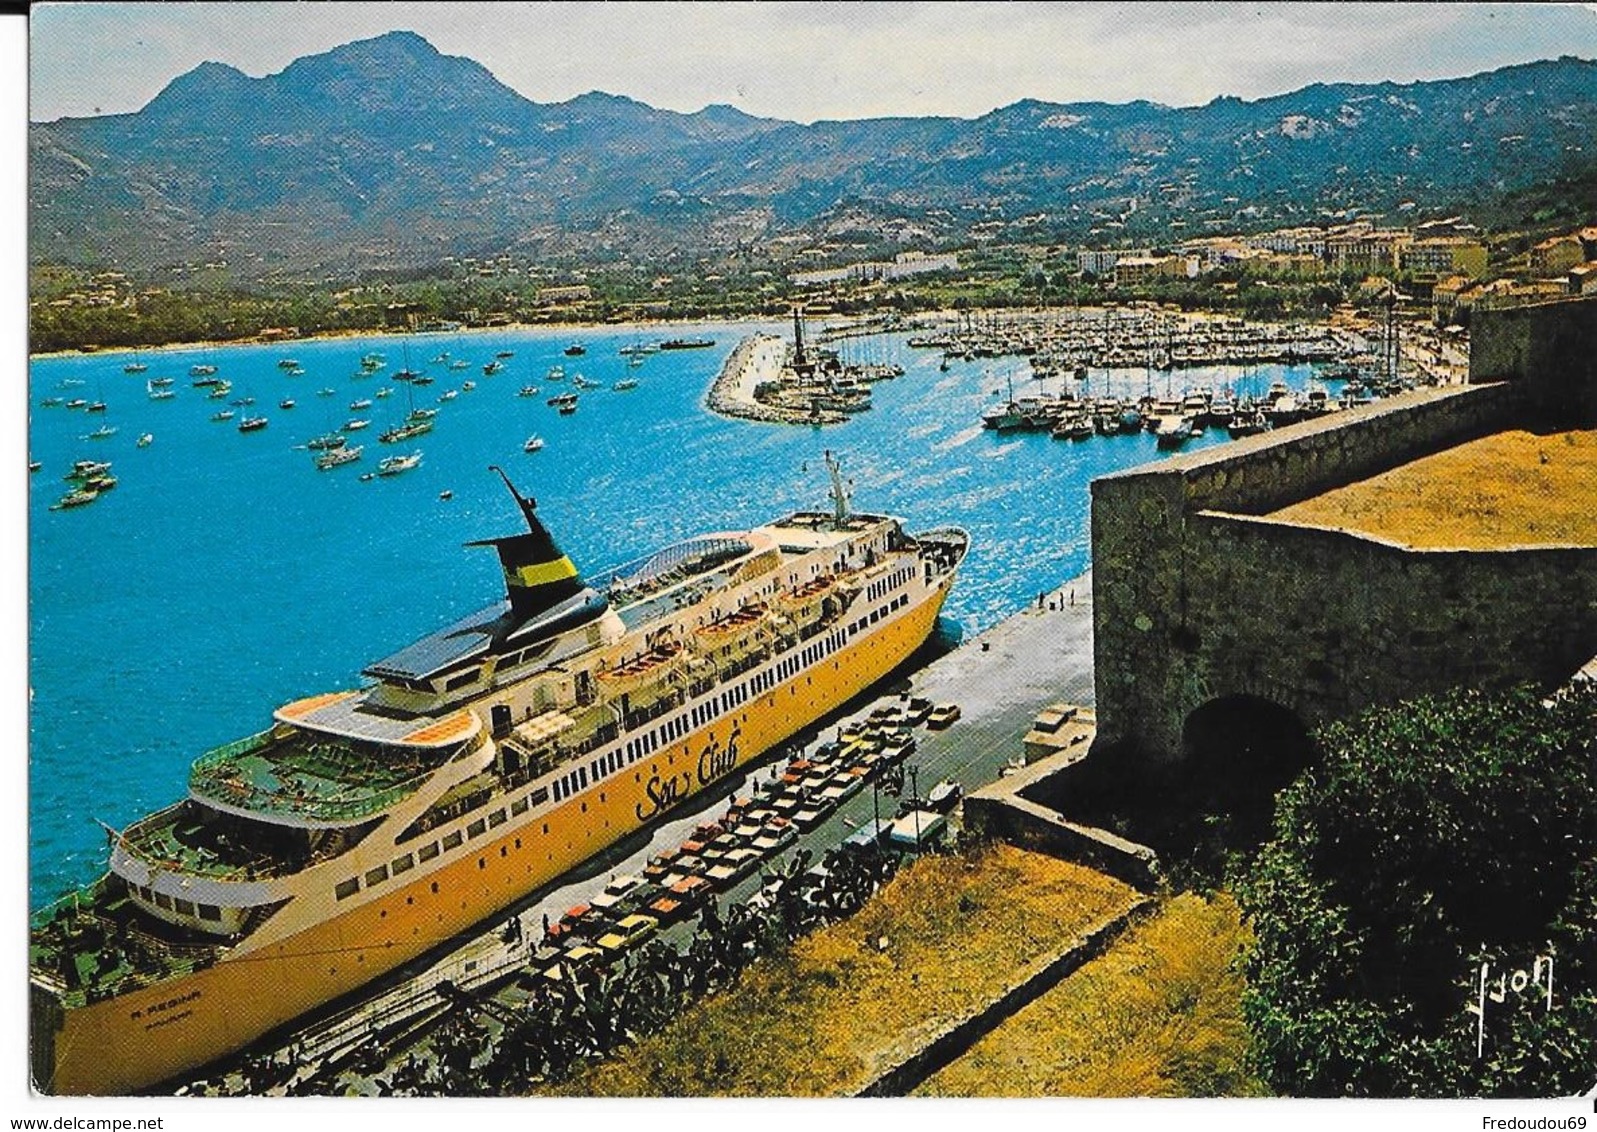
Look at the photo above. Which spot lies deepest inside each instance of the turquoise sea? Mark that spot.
(225, 574)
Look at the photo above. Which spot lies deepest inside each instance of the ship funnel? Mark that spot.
(537, 575)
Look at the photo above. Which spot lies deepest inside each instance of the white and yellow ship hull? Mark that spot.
(142, 1038)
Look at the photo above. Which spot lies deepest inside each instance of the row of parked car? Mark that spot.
(719, 854)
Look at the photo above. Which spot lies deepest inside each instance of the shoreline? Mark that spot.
(385, 332)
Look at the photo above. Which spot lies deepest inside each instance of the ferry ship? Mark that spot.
(364, 828)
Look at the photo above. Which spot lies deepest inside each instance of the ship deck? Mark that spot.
(174, 837)
(310, 778)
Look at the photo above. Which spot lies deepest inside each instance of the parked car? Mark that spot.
(691, 891)
(942, 715)
(944, 796)
(661, 865)
(629, 933)
(774, 838)
(667, 909)
(572, 961)
(917, 711)
(849, 783)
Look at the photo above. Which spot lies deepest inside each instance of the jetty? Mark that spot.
(766, 379)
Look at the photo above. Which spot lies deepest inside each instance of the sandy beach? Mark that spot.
(708, 322)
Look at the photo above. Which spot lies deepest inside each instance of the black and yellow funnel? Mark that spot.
(537, 575)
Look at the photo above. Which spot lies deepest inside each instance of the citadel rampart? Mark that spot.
(1197, 598)
(1548, 349)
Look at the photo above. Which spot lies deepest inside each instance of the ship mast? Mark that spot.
(840, 492)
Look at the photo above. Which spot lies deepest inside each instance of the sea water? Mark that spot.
(225, 574)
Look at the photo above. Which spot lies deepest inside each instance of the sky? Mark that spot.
(810, 61)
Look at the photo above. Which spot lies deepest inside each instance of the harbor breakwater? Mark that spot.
(754, 361)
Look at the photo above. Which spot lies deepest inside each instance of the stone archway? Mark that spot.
(1237, 752)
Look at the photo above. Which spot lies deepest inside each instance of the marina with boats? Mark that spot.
(923, 444)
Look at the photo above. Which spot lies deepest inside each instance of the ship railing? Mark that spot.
(300, 802)
(172, 855)
(813, 628)
(245, 746)
(161, 959)
(639, 716)
(738, 667)
(79, 899)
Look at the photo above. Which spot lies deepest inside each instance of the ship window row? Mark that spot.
(401, 864)
(187, 908)
(884, 586)
(642, 745)
(877, 614)
(569, 783)
(608, 764)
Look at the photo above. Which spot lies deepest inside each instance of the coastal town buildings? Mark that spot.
(1444, 256)
(901, 266)
(1556, 255)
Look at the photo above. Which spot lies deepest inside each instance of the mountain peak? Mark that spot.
(402, 43)
(205, 85)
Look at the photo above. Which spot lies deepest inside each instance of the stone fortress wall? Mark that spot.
(1197, 598)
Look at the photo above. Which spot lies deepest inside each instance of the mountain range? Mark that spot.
(385, 153)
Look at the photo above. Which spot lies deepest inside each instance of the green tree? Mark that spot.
(1432, 837)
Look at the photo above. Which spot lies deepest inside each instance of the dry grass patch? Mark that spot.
(1158, 1014)
(824, 1018)
(1514, 488)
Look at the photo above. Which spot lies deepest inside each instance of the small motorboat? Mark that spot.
(393, 465)
(534, 443)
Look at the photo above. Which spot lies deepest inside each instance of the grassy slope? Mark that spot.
(1512, 488)
(823, 1018)
(1158, 1014)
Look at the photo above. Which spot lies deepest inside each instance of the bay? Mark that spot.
(225, 574)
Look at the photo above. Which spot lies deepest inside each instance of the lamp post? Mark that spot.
(914, 801)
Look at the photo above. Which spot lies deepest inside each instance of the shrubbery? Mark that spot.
(1431, 838)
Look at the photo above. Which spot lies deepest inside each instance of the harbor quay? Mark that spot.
(753, 360)
(999, 679)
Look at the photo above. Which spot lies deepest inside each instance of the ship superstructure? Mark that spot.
(366, 827)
